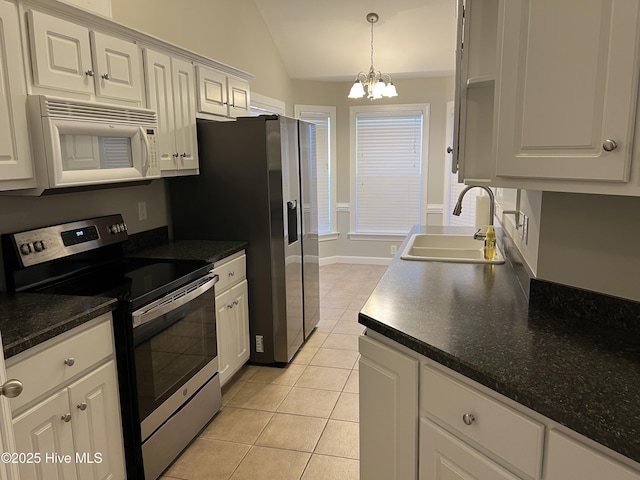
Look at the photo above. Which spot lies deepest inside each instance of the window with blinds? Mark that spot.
(389, 159)
(324, 120)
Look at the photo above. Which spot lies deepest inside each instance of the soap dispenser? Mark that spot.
(490, 243)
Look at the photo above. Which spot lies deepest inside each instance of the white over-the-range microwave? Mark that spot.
(78, 144)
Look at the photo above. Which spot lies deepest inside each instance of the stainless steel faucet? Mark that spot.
(457, 209)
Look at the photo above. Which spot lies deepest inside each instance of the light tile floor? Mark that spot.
(298, 422)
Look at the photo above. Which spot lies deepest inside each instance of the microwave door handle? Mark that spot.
(146, 148)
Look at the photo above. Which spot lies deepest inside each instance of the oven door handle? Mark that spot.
(174, 300)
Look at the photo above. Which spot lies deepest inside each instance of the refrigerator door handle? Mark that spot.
(292, 221)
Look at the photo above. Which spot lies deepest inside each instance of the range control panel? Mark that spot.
(50, 243)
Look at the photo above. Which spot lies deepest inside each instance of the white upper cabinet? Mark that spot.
(16, 166)
(67, 56)
(547, 93)
(568, 86)
(117, 63)
(171, 93)
(220, 94)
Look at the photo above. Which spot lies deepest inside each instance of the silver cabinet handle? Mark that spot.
(89, 73)
(106, 76)
(66, 417)
(184, 155)
(175, 155)
(231, 274)
(449, 150)
(609, 145)
(69, 362)
(468, 418)
(230, 306)
(82, 406)
(11, 388)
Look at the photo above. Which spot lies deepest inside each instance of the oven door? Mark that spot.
(175, 351)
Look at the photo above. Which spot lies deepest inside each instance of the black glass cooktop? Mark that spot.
(134, 282)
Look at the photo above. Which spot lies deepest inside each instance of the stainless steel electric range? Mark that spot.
(164, 328)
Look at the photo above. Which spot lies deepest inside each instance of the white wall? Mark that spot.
(591, 242)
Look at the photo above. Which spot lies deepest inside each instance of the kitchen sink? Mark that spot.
(447, 248)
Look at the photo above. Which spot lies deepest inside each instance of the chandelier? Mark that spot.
(372, 84)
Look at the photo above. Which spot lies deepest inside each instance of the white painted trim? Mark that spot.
(343, 207)
(377, 237)
(267, 103)
(435, 208)
(325, 237)
(355, 260)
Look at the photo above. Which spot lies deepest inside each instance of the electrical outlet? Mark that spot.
(394, 249)
(259, 343)
(142, 211)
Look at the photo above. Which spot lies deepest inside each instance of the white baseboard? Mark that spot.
(357, 260)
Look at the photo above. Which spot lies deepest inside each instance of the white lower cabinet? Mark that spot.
(388, 412)
(440, 425)
(72, 430)
(568, 459)
(232, 315)
(444, 457)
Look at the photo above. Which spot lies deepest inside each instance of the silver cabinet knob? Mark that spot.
(11, 388)
(82, 406)
(69, 362)
(106, 76)
(183, 155)
(66, 417)
(231, 274)
(175, 155)
(468, 418)
(449, 150)
(89, 73)
(609, 145)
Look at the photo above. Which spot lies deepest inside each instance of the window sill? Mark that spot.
(326, 237)
(378, 237)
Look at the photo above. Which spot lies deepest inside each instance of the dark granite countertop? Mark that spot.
(28, 319)
(476, 320)
(210, 250)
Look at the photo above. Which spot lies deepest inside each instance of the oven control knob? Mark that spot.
(114, 228)
(123, 227)
(38, 246)
(25, 249)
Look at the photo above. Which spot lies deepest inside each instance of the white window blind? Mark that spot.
(388, 171)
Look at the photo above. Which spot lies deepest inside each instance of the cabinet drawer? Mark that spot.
(508, 434)
(46, 369)
(230, 273)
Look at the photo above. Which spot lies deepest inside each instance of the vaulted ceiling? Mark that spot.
(331, 39)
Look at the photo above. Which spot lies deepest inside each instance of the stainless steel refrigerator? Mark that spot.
(257, 183)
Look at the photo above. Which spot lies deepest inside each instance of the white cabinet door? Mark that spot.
(212, 91)
(444, 457)
(46, 429)
(239, 97)
(117, 68)
(240, 314)
(94, 404)
(568, 86)
(15, 154)
(8, 471)
(60, 54)
(171, 93)
(388, 412)
(160, 98)
(224, 331)
(184, 97)
(568, 459)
